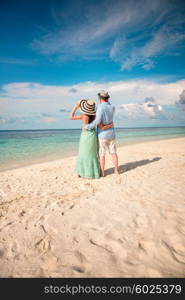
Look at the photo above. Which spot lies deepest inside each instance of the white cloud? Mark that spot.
(114, 29)
(161, 42)
(127, 91)
(72, 90)
(36, 103)
(34, 117)
(181, 98)
(181, 101)
(148, 109)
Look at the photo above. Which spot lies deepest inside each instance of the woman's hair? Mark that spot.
(91, 118)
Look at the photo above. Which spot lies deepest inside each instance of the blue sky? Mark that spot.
(54, 53)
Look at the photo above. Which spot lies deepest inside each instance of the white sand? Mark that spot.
(53, 224)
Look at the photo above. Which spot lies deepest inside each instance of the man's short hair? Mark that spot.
(104, 98)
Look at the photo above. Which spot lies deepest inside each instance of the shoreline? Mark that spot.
(72, 155)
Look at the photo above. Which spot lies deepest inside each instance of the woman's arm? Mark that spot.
(104, 127)
(72, 113)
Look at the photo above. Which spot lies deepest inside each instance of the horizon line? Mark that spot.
(139, 127)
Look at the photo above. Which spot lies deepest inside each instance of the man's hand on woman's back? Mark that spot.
(107, 126)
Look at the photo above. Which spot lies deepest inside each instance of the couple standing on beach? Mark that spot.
(95, 123)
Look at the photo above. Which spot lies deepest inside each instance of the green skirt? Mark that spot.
(87, 165)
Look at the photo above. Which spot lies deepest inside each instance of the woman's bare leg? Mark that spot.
(102, 165)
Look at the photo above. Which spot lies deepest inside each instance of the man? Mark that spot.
(104, 115)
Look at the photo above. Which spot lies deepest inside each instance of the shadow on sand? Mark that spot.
(132, 165)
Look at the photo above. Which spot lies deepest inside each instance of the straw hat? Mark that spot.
(88, 106)
(104, 94)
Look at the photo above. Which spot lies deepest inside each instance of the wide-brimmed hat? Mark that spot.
(103, 94)
(88, 106)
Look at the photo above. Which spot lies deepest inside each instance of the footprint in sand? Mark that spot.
(177, 251)
(81, 257)
(43, 245)
(22, 213)
(8, 224)
(43, 228)
(136, 256)
(181, 228)
(14, 247)
(79, 269)
(82, 265)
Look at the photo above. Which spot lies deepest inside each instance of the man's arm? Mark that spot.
(105, 127)
(96, 121)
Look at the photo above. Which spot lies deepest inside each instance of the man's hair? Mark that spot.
(91, 118)
(104, 98)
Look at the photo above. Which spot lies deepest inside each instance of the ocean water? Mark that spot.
(24, 147)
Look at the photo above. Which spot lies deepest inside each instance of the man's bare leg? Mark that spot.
(102, 164)
(115, 163)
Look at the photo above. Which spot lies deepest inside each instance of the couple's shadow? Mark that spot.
(132, 165)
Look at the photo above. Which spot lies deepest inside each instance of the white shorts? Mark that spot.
(107, 146)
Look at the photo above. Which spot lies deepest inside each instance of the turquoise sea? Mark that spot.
(23, 147)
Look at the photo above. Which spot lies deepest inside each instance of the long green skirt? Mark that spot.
(87, 165)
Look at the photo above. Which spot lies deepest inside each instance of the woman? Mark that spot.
(87, 163)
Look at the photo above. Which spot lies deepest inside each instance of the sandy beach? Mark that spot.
(54, 224)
